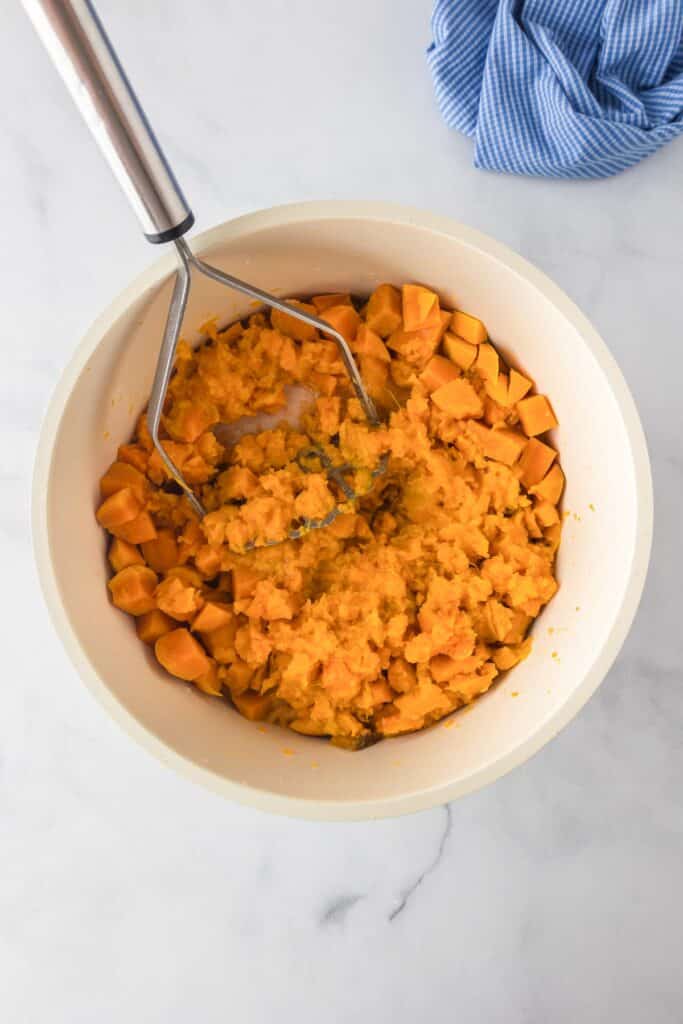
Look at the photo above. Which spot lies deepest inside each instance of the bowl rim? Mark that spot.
(340, 810)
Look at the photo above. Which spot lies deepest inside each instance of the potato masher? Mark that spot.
(83, 55)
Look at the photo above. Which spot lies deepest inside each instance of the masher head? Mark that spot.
(312, 459)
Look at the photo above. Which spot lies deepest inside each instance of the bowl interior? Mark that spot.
(538, 330)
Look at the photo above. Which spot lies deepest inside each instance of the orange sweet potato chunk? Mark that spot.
(536, 460)
(182, 655)
(468, 327)
(519, 386)
(546, 514)
(244, 581)
(221, 642)
(161, 554)
(497, 388)
(150, 626)
(458, 398)
(488, 363)
(122, 475)
(420, 307)
(179, 600)
(536, 415)
(375, 374)
(369, 343)
(463, 353)
(122, 554)
(254, 706)
(208, 682)
(135, 531)
(344, 319)
(551, 486)
(323, 302)
(132, 589)
(383, 314)
(292, 327)
(213, 615)
(437, 372)
(503, 445)
(121, 507)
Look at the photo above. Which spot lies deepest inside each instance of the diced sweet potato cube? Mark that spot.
(121, 507)
(536, 460)
(244, 582)
(323, 302)
(132, 589)
(161, 554)
(551, 486)
(178, 600)
(237, 483)
(488, 363)
(221, 642)
(369, 343)
(383, 314)
(468, 327)
(497, 389)
(122, 475)
(208, 681)
(437, 372)
(150, 626)
(137, 530)
(134, 455)
(323, 383)
(461, 352)
(122, 554)
(420, 307)
(238, 676)
(458, 398)
(536, 415)
(343, 319)
(213, 615)
(182, 655)
(503, 445)
(546, 514)
(292, 327)
(375, 374)
(187, 575)
(254, 706)
(208, 561)
(518, 388)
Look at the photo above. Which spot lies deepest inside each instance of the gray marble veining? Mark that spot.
(127, 893)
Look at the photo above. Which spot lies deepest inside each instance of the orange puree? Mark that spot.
(412, 601)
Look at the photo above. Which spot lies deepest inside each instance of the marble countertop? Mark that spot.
(129, 894)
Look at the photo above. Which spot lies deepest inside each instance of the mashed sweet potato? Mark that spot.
(413, 600)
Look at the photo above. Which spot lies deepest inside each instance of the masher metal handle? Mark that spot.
(80, 50)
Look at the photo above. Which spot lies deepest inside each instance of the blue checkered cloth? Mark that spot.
(563, 88)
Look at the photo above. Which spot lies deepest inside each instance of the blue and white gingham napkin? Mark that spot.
(566, 88)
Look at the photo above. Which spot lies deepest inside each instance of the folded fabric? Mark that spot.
(564, 88)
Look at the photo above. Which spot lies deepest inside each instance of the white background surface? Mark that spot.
(127, 894)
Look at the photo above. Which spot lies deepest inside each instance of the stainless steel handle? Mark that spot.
(81, 52)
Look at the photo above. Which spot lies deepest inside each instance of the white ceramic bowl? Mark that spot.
(339, 246)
